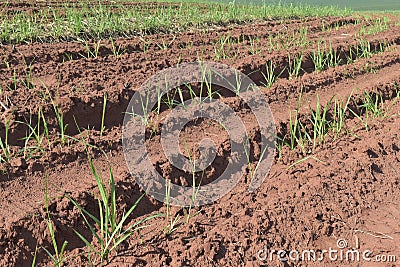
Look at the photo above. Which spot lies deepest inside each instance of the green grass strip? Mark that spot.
(97, 21)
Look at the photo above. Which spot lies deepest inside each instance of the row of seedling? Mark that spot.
(165, 99)
(282, 39)
(224, 47)
(324, 58)
(329, 121)
(289, 40)
(321, 59)
(374, 26)
(39, 136)
(279, 40)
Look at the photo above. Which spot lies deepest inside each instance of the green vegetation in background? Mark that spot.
(84, 21)
(359, 5)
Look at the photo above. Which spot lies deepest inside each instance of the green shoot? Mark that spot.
(365, 122)
(60, 121)
(374, 104)
(34, 256)
(254, 46)
(319, 122)
(91, 52)
(206, 79)
(195, 190)
(117, 51)
(269, 75)
(57, 258)
(223, 47)
(297, 132)
(172, 222)
(164, 45)
(5, 154)
(295, 65)
(332, 58)
(103, 114)
(318, 58)
(364, 49)
(339, 115)
(304, 159)
(34, 134)
(144, 105)
(145, 45)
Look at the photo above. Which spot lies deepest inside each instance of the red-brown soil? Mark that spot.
(348, 189)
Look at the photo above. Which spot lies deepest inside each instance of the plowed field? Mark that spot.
(339, 183)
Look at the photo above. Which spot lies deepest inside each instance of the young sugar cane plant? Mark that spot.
(295, 65)
(373, 103)
(165, 45)
(33, 134)
(247, 150)
(254, 46)
(103, 114)
(91, 52)
(364, 49)
(116, 50)
(172, 222)
(60, 121)
(332, 57)
(269, 76)
(108, 229)
(144, 105)
(236, 87)
(195, 189)
(5, 154)
(206, 81)
(57, 257)
(319, 122)
(223, 48)
(318, 58)
(294, 135)
(340, 109)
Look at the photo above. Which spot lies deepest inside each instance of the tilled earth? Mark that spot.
(345, 188)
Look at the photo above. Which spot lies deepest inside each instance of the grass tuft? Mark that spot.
(108, 229)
